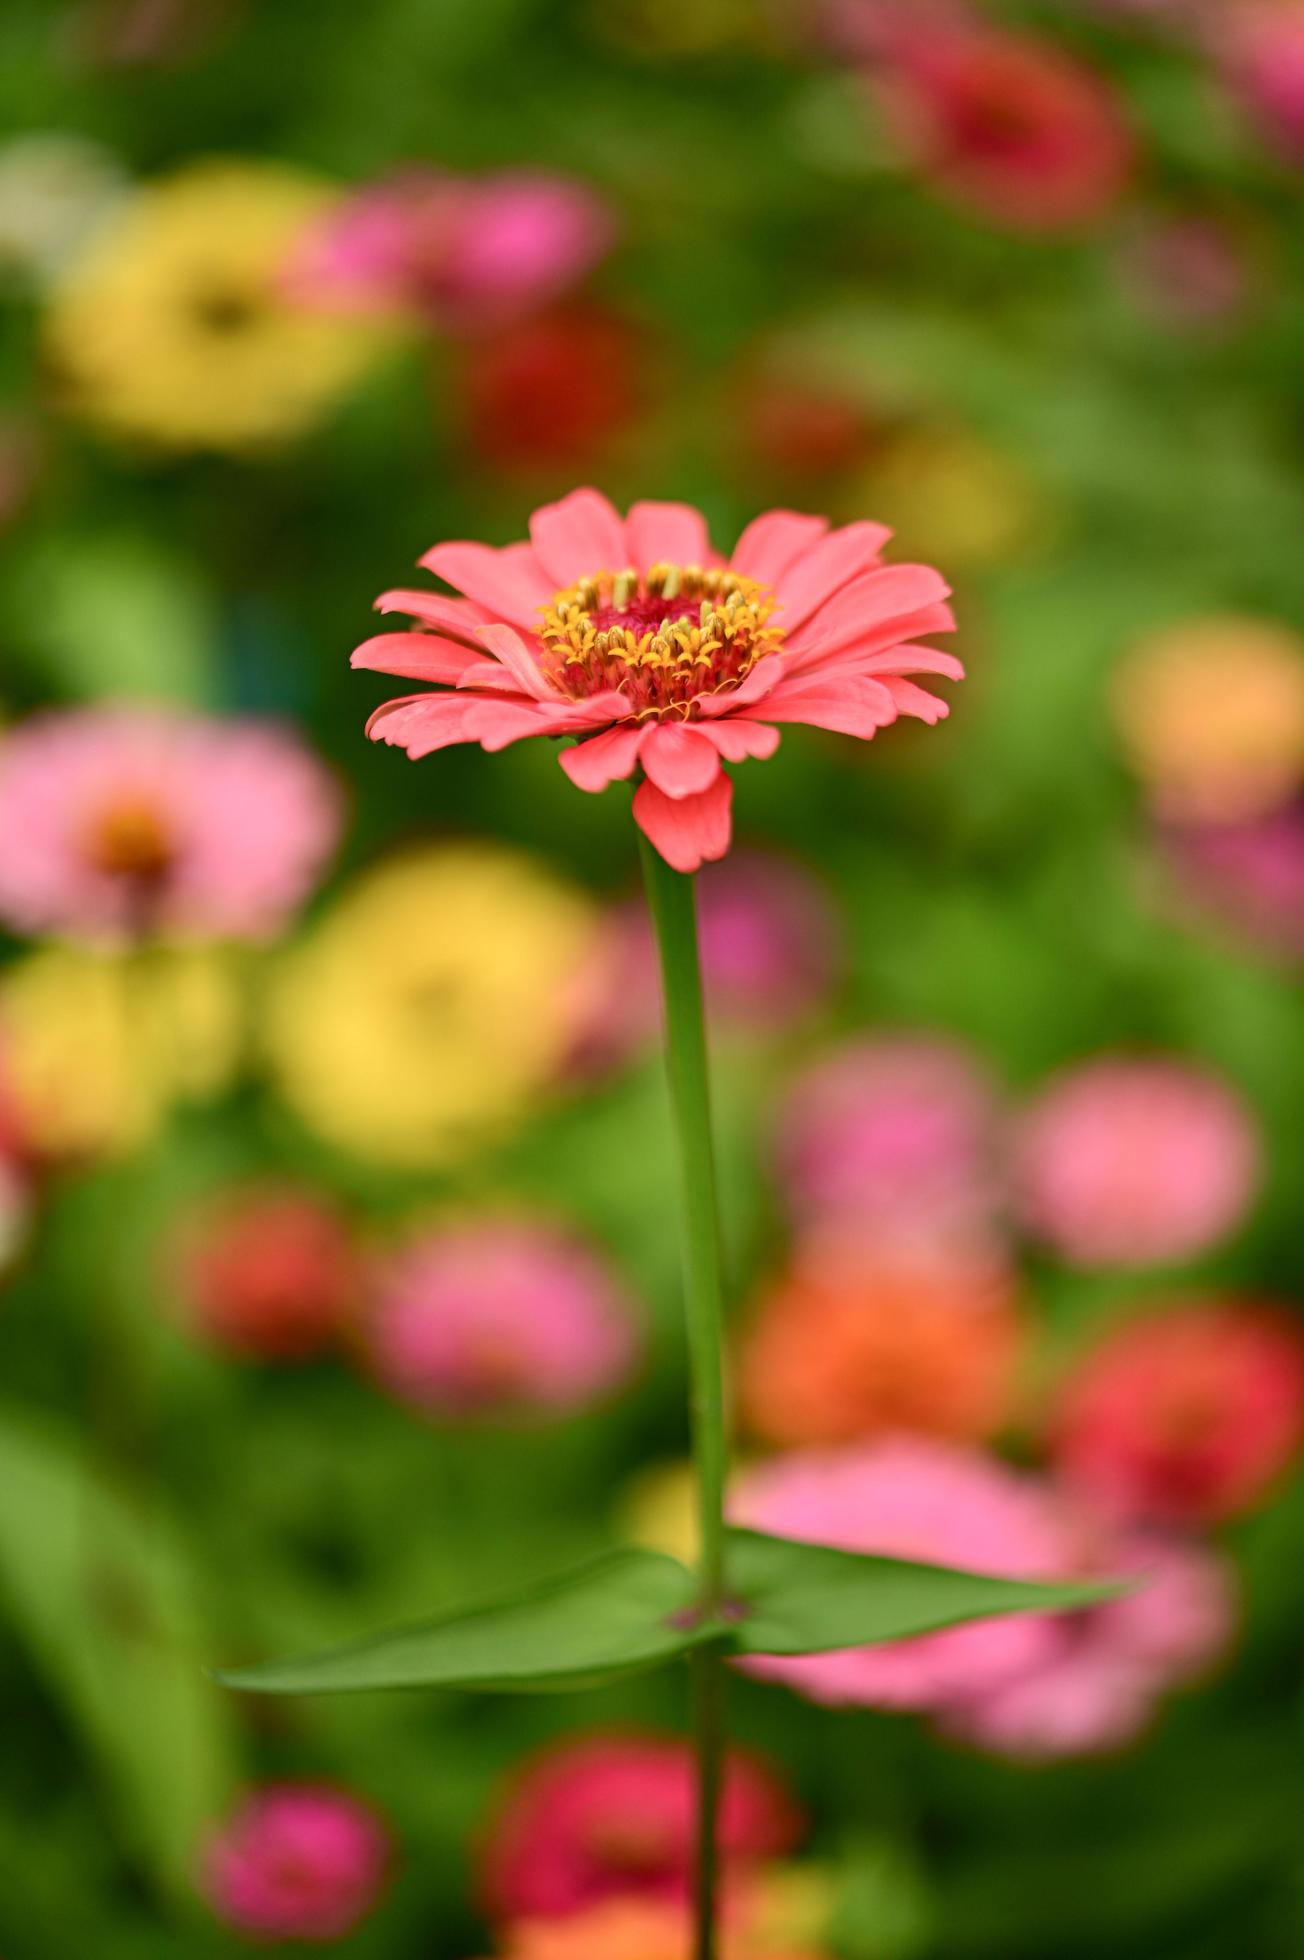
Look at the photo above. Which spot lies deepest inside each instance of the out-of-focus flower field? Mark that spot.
(338, 1249)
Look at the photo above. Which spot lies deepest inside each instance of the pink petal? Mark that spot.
(511, 583)
(496, 723)
(603, 759)
(741, 741)
(674, 534)
(418, 656)
(917, 701)
(681, 761)
(772, 543)
(848, 707)
(814, 655)
(826, 568)
(687, 830)
(422, 723)
(581, 534)
(887, 593)
(763, 679)
(457, 618)
(520, 663)
(911, 660)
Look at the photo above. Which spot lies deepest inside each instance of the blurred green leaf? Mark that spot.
(617, 1614)
(98, 1590)
(813, 1599)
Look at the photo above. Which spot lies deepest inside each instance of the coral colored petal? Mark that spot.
(418, 656)
(762, 681)
(679, 760)
(742, 741)
(849, 707)
(605, 759)
(511, 583)
(911, 660)
(457, 618)
(495, 724)
(826, 568)
(674, 534)
(581, 534)
(916, 701)
(688, 831)
(774, 542)
(422, 723)
(888, 593)
(811, 653)
(520, 663)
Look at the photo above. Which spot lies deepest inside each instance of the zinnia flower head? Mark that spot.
(1185, 1416)
(1132, 1161)
(1096, 1687)
(428, 1011)
(1246, 877)
(1211, 714)
(613, 1816)
(497, 1318)
(635, 1929)
(1006, 125)
(918, 1499)
(297, 1861)
(268, 1271)
(171, 325)
(466, 254)
(891, 1141)
(1259, 45)
(128, 822)
(637, 638)
(845, 1349)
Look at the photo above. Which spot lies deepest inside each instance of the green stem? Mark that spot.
(674, 916)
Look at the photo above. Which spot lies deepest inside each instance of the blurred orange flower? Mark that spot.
(631, 1929)
(845, 1349)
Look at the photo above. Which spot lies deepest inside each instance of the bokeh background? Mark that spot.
(338, 1217)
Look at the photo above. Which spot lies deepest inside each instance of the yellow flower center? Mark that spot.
(663, 639)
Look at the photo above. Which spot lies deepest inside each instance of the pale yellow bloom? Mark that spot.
(430, 1009)
(172, 324)
(955, 496)
(100, 1046)
(658, 1510)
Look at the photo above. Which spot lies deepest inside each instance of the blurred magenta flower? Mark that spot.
(124, 821)
(1193, 270)
(1131, 1161)
(1246, 877)
(612, 1816)
(268, 1271)
(499, 1318)
(771, 952)
(1187, 1415)
(297, 1861)
(892, 1141)
(1010, 126)
(916, 1499)
(557, 392)
(636, 632)
(845, 1349)
(465, 254)
(1259, 47)
(1096, 1688)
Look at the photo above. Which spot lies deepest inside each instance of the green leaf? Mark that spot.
(99, 1590)
(620, 1613)
(795, 1598)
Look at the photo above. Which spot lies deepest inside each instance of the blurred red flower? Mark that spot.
(554, 393)
(269, 1271)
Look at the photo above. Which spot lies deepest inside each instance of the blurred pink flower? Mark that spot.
(635, 633)
(917, 1499)
(1095, 1689)
(297, 1861)
(613, 1816)
(1246, 877)
(465, 253)
(1192, 271)
(1135, 1161)
(770, 943)
(1259, 46)
(126, 821)
(1187, 1415)
(499, 1318)
(1007, 125)
(269, 1271)
(892, 1140)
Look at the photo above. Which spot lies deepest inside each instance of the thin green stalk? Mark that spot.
(672, 900)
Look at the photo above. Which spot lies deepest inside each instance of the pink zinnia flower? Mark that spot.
(636, 637)
(465, 253)
(1126, 1161)
(893, 1141)
(1185, 1416)
(770, 944)
(1095, 1688)
(1260, 47)
(296, 1862)
(500, 1318)
(124, 821)
(915, 1499)
(270, 1272)
(613, 1816)
(1008, 125)
(1246, 877)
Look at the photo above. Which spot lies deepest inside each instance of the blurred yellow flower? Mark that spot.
(658, 1510)
(99, 1047)
(1211, 714)
(428, 1011)
(953, 497)
(171, 325)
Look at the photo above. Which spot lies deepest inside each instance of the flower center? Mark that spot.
(663, 639)
(129, 840)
